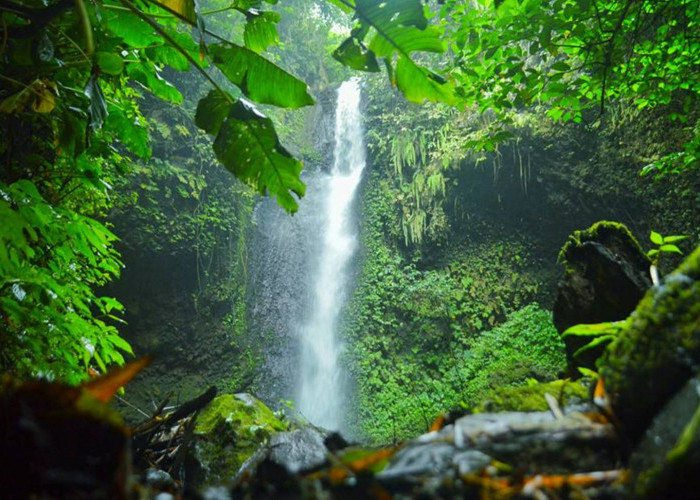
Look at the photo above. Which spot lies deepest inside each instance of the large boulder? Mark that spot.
(228, 432)
(606, 275)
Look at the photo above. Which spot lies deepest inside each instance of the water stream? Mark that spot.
(301, 270)
(320, 391)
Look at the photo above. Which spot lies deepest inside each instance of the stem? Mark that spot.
(87, 27)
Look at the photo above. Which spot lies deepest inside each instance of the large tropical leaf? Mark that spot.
(399, 29)
(260, 30)
(133, 30)
(247, 145)
(258, 78)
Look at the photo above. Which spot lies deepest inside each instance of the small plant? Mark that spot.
(665, 244)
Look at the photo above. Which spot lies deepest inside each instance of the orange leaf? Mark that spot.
(104, 387)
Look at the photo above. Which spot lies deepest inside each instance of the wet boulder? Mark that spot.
(606, 275)
(228, 432)
(301, 449)
(657, 350)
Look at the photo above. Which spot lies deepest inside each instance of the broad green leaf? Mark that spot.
(355, 55)
(212, 110)
(670, 248)
(258, 78)
(148, 75)
(110, 63)
(261, 31)
(248, 146)
(185, 8)
(400, 27)
(169, 56)
(656, 238)
(418, 83)
(133, 30)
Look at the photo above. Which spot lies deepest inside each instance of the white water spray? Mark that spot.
(321, 395)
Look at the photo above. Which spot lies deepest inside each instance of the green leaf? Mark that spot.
(400, 28)
(593, 330)
(212, 110)
(120, 343)
(418, 83)
(355, 55)
(110, 63)
(670, 248)
(148, 75)
(258, 78)
(674, 239)
(656, 238)
(169, 56)
(260, 30)
(133, 30)
(593, 344)
(346, 6)
(248, 146)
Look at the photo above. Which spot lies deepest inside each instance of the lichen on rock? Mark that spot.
(228, 432)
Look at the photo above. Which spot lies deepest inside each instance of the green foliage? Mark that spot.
(267, 165)
(54, 325)
(665, 244)
(409, 328)
(570, 56)
(398, 29)
(599, 333)
(401, 393)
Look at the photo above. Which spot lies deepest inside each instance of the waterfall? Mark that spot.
(320, 393)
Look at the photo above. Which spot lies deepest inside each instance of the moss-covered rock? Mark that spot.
(657, 351)
(531, 397)
(228, 432)
(606, 275)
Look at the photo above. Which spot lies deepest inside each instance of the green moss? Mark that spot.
(531, 397)
(657, 350)
(604, 231)
(228, 432)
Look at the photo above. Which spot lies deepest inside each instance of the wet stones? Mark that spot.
(302, 449)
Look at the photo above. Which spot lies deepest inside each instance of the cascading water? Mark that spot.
(300, 270)
(320, 393)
